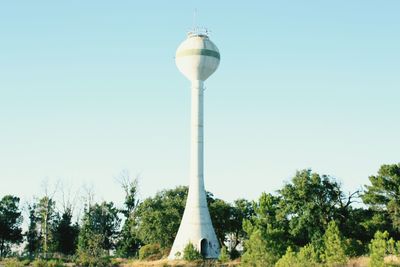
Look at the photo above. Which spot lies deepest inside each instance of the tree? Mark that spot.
(310, 202)
(288, 260)
(90, 250)
(268, 238)
(46, 214)
(242, 209)
(334, 253)
(129, 243)
(308, 256)
(384, 192)
(32, 235)
(257, 252)
(65, 234)
(221, 214)
(159, 217)
(377, 249)
(102, 221)
(10, 223)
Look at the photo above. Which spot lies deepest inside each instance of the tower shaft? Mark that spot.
(196, 226)
(197, 143)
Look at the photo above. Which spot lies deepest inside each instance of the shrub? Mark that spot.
(39, 263)
(287, 260)
(190, 253)
(258, 252)
(150, 252)
(13, 263)
(224, 255)
(91, 253)
(49, 263)
(377, 249)
(308, 256)
(335, 248)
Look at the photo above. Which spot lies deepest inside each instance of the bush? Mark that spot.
(377, 249)
(335, 248)
(150, 252)
(308, 256)
(39, 263)
(49, 263)
(287, 260)
(257, 251)
(190, 253)
(224, 255)
(91, 253)
(13, 263)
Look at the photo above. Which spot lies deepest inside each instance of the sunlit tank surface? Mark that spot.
(197, 58)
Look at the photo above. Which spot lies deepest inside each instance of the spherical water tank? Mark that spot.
(197, 57)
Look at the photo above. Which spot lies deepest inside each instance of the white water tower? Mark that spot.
(197, 58)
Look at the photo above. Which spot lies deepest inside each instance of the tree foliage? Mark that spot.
(310, 202)
(190, 253)
(377, 249)
(129, 243)
(334, 252)
(101, 222)
(257, 252)
(45, 210)
(384, 192)
(159, 216)
(10, 223)
(32, 235)
(65, 234)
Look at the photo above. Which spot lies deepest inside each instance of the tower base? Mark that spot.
(196, 228)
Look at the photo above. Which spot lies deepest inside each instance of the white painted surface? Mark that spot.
(196, 223)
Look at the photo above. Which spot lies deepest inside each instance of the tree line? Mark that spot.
(310, 218)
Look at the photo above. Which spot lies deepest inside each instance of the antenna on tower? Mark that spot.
(197, 30)
(194, 19)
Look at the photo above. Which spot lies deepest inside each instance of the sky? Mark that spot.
(89, 89)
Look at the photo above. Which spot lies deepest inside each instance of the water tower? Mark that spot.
(197, 58)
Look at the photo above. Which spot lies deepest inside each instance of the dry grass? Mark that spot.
(178, 263)
(358, 262)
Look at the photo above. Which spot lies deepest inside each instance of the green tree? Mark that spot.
(101, 222)
(242, 209)
(65, 234)
(310, 202)
(288, 260)
(46, 214)
(129, 243)
(267, 233)
(377, 249)
(159, 217)
(308, 256)
(257, 253)
(384, 192)
(334, 253)
(221, 214)
(10, 223)
(32, 235)
(91, 250)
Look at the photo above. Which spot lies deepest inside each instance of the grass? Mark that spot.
(390, 261)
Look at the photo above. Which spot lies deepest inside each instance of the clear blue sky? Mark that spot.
(89, 88)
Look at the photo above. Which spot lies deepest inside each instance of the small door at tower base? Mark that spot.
(207, 249)
(204, 247)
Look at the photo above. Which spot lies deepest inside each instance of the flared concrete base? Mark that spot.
(196, 228)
